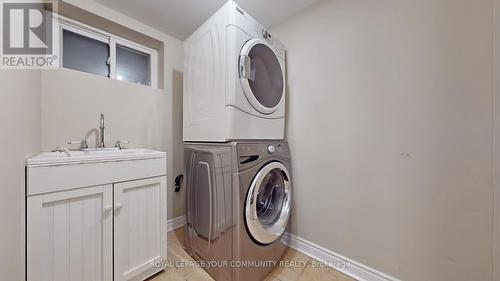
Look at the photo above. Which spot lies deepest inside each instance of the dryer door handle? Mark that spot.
(247, 67)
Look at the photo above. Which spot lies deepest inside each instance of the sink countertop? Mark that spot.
(92, 156)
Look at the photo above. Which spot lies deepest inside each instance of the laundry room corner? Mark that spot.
(250, 140)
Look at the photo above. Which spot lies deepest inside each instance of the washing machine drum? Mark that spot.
(268, 202)
(261, 75)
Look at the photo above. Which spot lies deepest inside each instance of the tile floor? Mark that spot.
(307, 272)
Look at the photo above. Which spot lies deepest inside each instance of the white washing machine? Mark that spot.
(234, 80)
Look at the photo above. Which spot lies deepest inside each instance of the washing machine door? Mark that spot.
(268, 203)
(262, 76)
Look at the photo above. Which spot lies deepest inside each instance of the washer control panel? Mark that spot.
(271, 149)
(262, 149)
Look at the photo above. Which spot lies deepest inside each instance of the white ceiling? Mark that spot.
(179, 18)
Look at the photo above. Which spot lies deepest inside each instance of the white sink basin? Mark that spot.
(55, 171)
(90, 156)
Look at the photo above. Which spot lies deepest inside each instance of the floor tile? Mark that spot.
(198, 275)
(295, 266)
(295, 260)
(167, 275)
(271, 278)
(322, 273)
(285, 274)
(176, 236)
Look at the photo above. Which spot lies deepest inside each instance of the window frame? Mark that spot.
(110, 39)
(153, 58)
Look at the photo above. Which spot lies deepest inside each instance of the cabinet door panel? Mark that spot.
(69, 235)
(140, 227)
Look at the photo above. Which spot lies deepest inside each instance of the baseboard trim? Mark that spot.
(175, 223)
(353, 268)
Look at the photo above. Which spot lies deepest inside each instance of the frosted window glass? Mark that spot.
(132, 65)
(85, 54)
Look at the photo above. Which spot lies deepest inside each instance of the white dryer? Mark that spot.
(234, 80)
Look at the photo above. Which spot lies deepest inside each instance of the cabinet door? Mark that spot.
(69, 235)
(140, 230)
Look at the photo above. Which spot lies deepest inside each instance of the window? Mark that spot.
(93, 51)
(133, 65)
(85, 54)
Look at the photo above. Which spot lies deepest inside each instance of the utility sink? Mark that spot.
(56, 171)
(90, 156)
(85, 207)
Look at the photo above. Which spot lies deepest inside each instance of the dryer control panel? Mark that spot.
(251, 26)
(277, 46)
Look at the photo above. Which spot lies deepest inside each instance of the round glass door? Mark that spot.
(268, 203)
(261, 75)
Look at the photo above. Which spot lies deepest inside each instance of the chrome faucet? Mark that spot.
(101, 131)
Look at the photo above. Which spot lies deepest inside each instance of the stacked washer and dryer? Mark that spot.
(237, 164)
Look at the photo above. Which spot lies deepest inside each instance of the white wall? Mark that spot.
(72, 102)
(19, 139)
(390, 126)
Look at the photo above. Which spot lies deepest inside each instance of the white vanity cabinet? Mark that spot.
(99, 227)
(140, 235)
(70, 235)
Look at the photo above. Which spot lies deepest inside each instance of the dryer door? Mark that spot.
(268, 202)
(262, 76)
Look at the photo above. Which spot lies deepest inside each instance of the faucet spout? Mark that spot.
(101, 131)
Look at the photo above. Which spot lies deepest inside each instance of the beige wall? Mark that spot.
(19, 139)
(43, 109)
(390, 126)
(72, 102)
(497, 142)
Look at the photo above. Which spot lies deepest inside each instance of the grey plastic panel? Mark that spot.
(85, 54)
(209, 217)
(202, 216)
